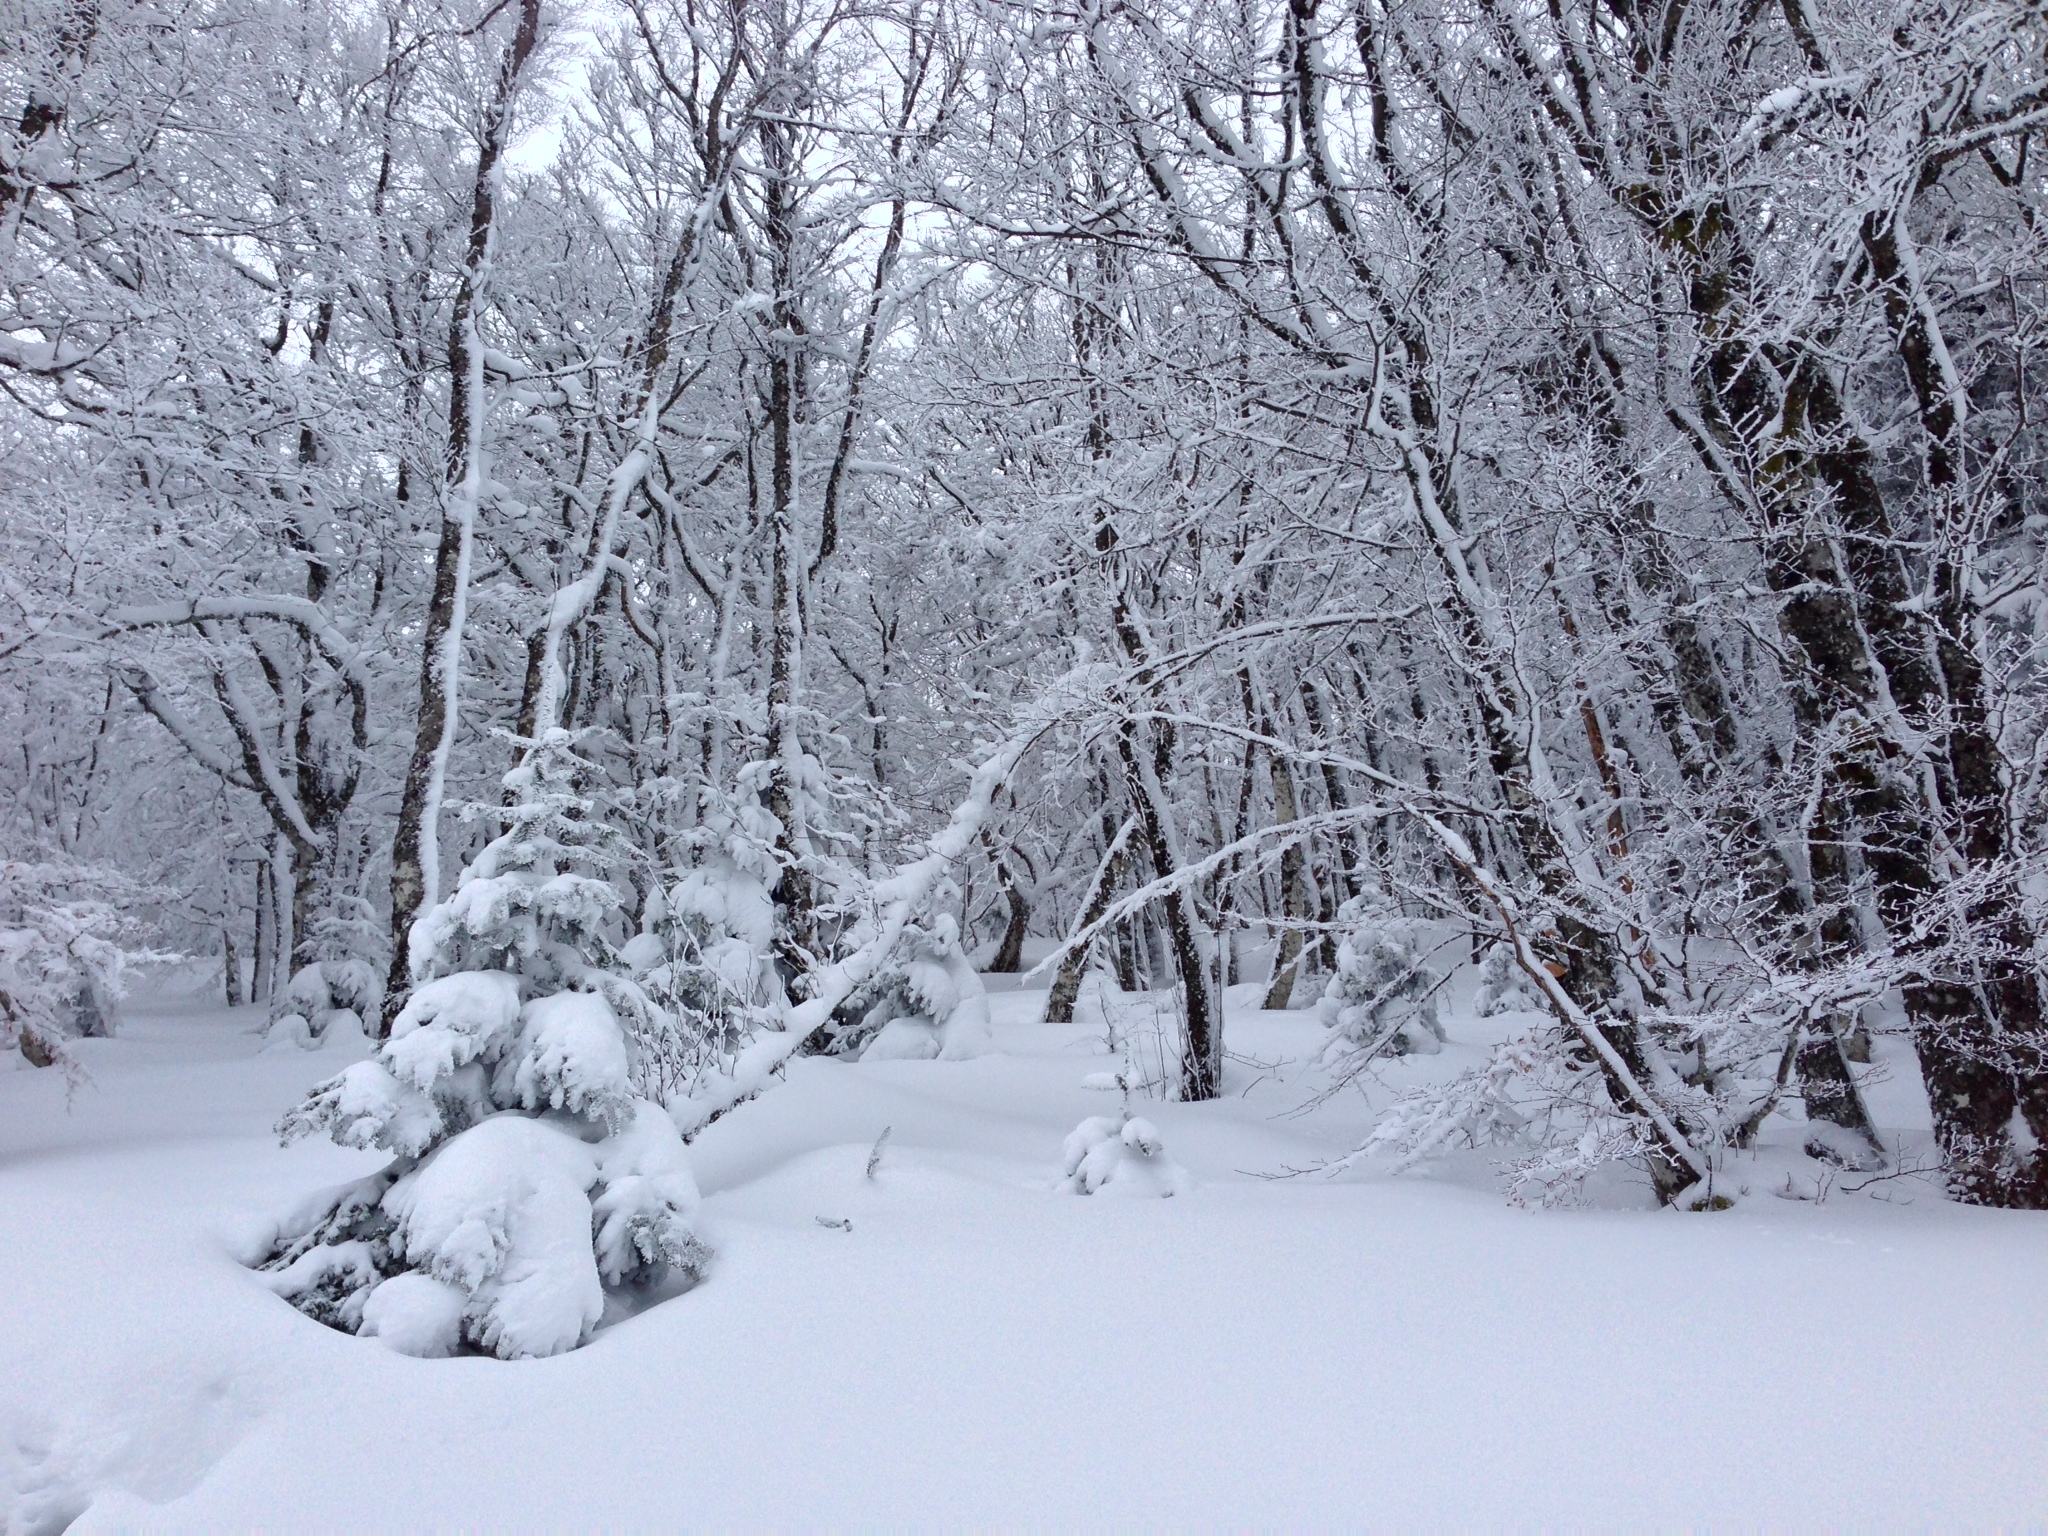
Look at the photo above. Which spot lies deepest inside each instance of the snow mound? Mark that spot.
(501, 1212)
(729, 900)
(343, 1027)
(903, 1040)
(288, 1032)
(1120, 1155)
(415, 1315)
(329, 994)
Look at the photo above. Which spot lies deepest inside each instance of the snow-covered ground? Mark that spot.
(971, 1345)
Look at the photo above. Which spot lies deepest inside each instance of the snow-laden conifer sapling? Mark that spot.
(531, 1172)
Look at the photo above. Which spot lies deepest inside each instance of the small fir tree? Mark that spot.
(1504, 987)
(1382, 999)
(531, 1171)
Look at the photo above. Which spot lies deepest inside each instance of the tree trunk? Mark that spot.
(415, 851)
(305, 876)
(1066, 986)
(1871, 656)
(262, 986)
(796, 937)
(284, 892)
(1833, 1098)
(1009, 958)
(231, 965)
(1202, 1036)
(1293, 893)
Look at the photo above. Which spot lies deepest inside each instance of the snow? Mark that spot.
(415, 1314)
(730, 900)
(288, 1032)
(500, 1212)
(903, 1040)
(646, 1213)
(572, 1056)
(643, 952)
(451, 1022)
(327, 997)
(977, 1347)
(1120, 1155)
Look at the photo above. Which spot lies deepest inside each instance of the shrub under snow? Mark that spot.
(926, 1001)
(1504, 987)
(1120, 1155)
(704, 955)
(324, 1001)
(1382, 999)
(528, 1177)
(62, 956)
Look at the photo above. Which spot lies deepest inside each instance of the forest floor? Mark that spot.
(979, 1347)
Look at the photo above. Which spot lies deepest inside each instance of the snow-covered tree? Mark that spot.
(705, 953)
(1572, 466)
(924, 1001)
(1382, 1000)
(65, 947)
(1503, 988)
(530, 1170)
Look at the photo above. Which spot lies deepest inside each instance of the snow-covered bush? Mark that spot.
(704, 955)
(1382, 999)
(289, 1032)
(926, 1000)
(1504, 987)
(348, 938)
(63, 956)
(1535, 1101)
(530, 1169)
(325, 1000)
(1122, 1155)
(1141, 1029)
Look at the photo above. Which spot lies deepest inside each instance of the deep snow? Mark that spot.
(975, 1345)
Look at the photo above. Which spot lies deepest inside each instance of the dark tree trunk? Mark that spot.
(1009, 958)
(1201, 1039)
(262, 986)
(434, 730)
(1857, 623)
(1066, 986)
(1127, 957)
(1293, 894)
(231, 966)
(1832, 1097)
(796, 935)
